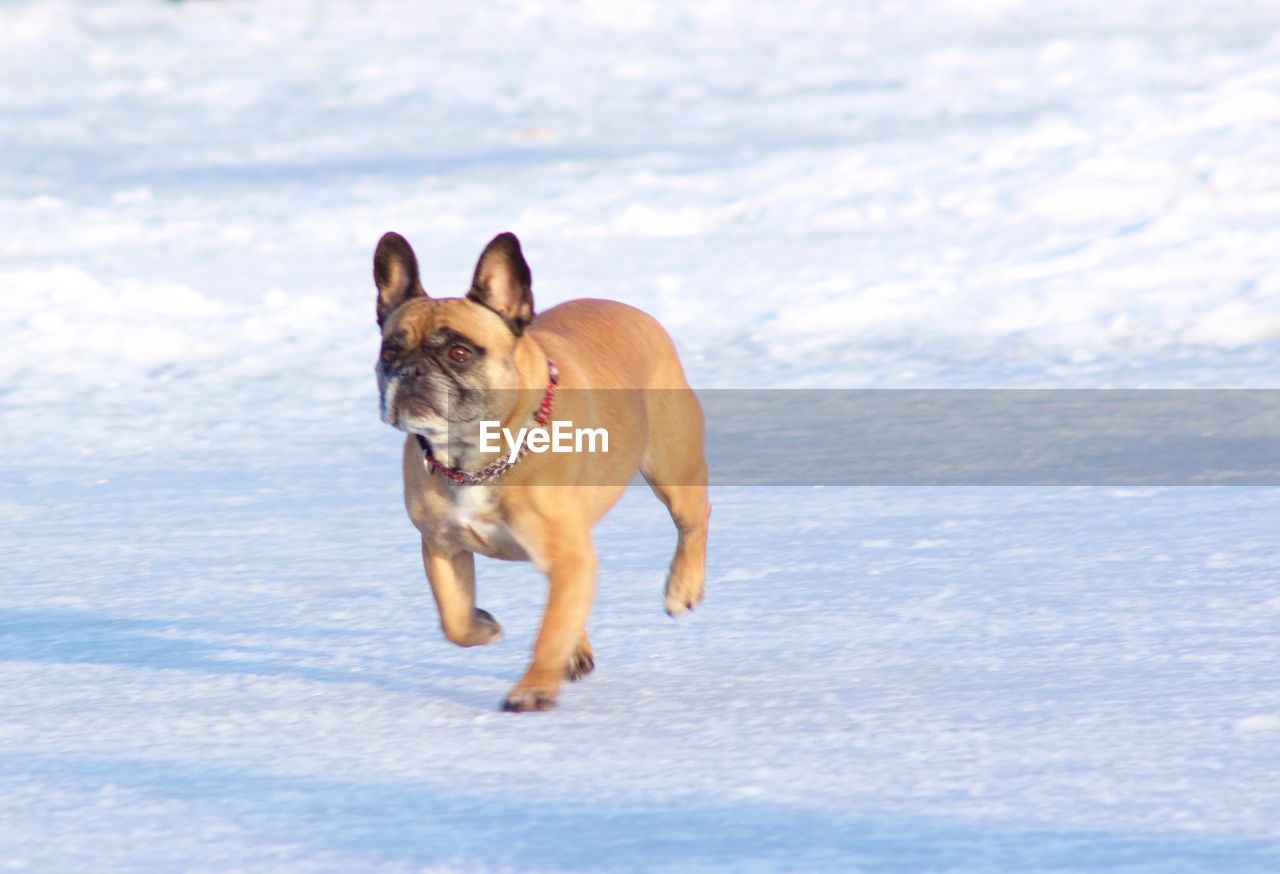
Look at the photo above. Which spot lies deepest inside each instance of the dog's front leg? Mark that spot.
(571, 576)
(453, 583)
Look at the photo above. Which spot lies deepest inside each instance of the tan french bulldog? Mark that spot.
(452, 368)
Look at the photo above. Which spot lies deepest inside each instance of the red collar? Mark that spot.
(500, 465)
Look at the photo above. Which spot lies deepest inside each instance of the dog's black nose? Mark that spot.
(405, 370)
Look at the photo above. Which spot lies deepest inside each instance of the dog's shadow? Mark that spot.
(71, 638)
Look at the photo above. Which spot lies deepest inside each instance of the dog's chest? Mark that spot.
(473, 518)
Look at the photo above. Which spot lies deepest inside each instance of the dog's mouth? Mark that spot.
(416, 417)
(411, 411)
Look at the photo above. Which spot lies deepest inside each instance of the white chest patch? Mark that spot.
(477, 521)
(475, 508)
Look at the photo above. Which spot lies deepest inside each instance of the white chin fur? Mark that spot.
(432, 429)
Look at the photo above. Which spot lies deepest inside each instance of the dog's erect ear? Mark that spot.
(395, 273)
(503, 282)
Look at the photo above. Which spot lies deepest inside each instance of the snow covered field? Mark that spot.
(217, 651)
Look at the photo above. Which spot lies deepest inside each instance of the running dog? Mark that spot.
(453, 367)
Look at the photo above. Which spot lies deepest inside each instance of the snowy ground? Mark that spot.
(216, 648)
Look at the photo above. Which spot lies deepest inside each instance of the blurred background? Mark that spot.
(975, 192)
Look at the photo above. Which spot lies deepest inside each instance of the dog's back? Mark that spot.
(638, 351)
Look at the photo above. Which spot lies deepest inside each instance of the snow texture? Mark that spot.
(217, 650)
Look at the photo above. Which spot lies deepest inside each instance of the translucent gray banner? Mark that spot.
(994, 437)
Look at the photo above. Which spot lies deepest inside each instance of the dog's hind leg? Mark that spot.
(676, 470)
(690, 511)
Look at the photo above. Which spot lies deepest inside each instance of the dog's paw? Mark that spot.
(485, 628)
(682, 594)
(530, 699)
(582, 663)
(537, 690)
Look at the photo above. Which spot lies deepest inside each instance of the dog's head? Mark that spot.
(449, 362)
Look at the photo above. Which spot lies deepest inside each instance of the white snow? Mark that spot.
(217, 650)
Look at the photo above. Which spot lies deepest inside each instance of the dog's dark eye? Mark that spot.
(459, 354)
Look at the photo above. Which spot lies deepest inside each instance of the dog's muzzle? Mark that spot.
(405, 396)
